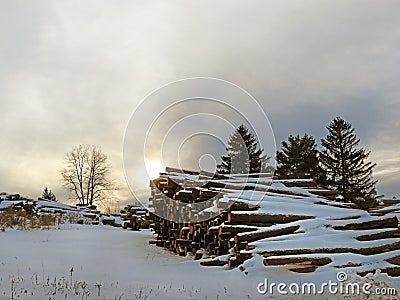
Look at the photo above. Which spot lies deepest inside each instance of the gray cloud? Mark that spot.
(72, 72)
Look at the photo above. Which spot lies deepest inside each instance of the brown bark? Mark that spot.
(254, 236)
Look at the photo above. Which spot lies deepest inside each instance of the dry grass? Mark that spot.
(24, 217)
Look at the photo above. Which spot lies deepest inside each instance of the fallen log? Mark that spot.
(375, 224)
(213, 263)
(394, 260)
(255, 236)
(242, 206)
(379, 236)
(390, 202)
(391, 271)
(347, 218)
(235, 229)
(382, 212)
(317, 261)
(251, 218)
(364, 251)
(305, 269)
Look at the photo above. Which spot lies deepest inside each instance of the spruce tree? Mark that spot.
(244, 155)
(346, 165)
(299, 159)
(45, 194)
(48, 195)
(52, 196)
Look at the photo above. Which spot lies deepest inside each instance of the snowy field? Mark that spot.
(111, 263)
(127, 267)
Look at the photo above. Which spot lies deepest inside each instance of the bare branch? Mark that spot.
(86, 174)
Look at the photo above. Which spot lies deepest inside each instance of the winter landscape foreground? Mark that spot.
(110, 262)
(296, 244)
(102, 262)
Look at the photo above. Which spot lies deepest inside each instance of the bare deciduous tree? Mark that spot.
(86, 175)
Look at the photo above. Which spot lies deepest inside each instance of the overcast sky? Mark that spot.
(72, 72)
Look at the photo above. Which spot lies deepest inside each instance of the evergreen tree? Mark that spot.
(244, 155)
(45, 194)
(48, 195)
(299, 159)
(346, 164)
(52, 196)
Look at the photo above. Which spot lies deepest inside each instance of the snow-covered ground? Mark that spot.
(122, 261)
(120, 264)
(102, 262)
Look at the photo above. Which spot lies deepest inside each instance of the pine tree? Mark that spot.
(45, 194)
(346, 164)
(244, 155)
(299, 159)
(52, 196)
(48, 195)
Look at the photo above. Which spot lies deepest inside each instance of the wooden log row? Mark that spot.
(375, 224)
(380, 235)
(362, 250)
(263, 218)
(280, 261)
(258, 235)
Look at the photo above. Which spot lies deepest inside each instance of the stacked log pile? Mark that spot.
(231, 228)
(134, 217)
(178, 226)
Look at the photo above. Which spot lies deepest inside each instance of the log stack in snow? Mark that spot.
(292, 223)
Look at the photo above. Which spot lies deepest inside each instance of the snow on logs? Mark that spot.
(237, 223)
(374, 224)
(263, 234)
(238, 229)
(263, 218)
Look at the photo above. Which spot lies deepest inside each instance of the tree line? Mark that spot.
(340, 165)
